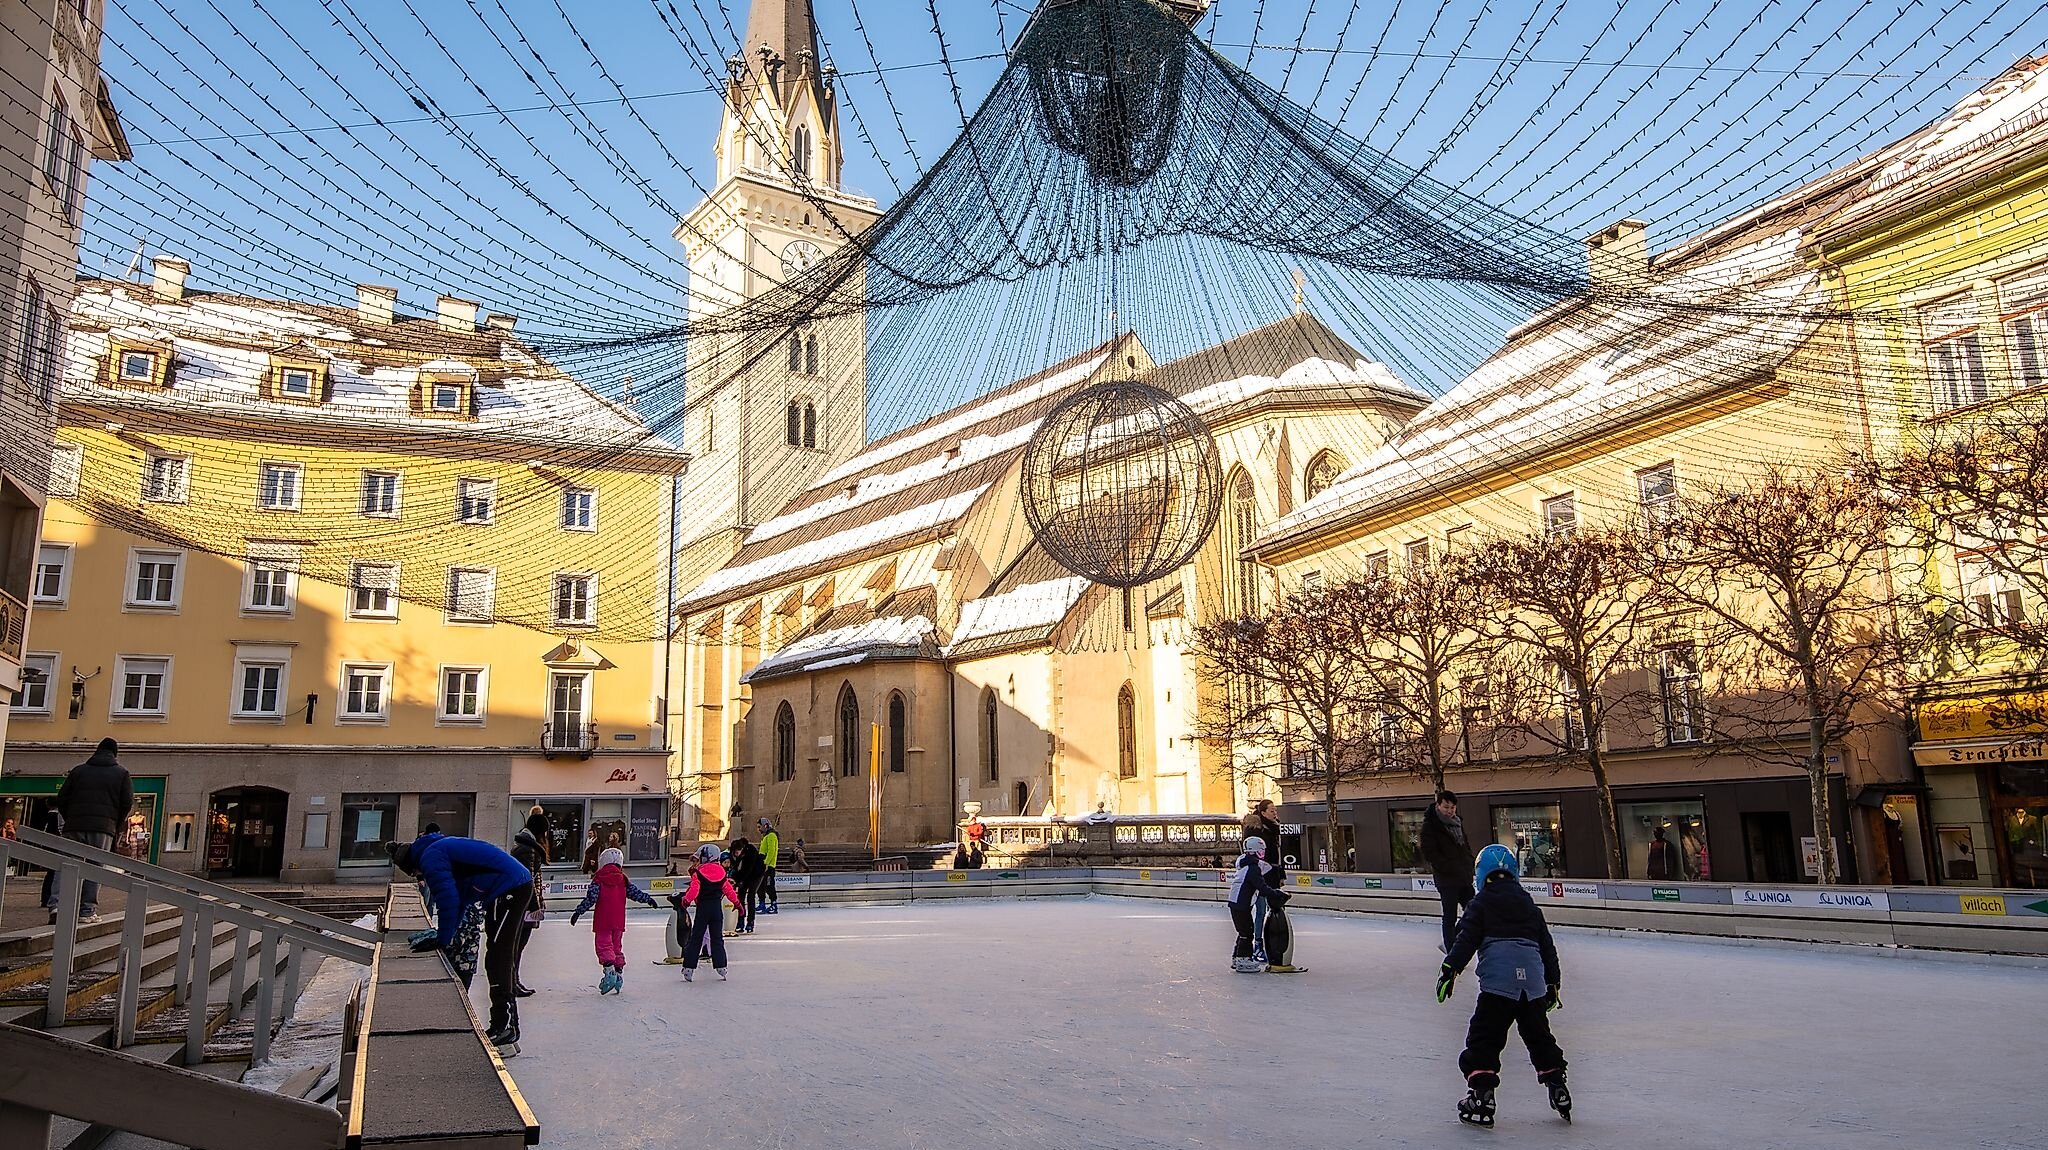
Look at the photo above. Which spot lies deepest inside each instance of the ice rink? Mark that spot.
(1110, 1024)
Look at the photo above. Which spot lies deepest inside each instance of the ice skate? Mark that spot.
(1285, 968)
(618, 979)
(1561, 1100)
(1247, 966)
(506, 1041)
(689, 975)
(1476, 1107)
(721, 974)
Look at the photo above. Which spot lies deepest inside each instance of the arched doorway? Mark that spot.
(245, 832)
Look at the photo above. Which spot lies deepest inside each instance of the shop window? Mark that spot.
(1404, 832)
(367, 823)
(785, 744)
(453, 813)
(849, 732)
(608, 828)
(1666, 841)
(643, 841)
(2020, 806)
(565, 830)
(1532, 832)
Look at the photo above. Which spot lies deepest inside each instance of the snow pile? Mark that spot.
(972, 449)
(313, 1036)
(844, 645)
(859, 537)
(1026, 608)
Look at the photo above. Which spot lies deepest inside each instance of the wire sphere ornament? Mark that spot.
(1122, 483)
(1107, 75)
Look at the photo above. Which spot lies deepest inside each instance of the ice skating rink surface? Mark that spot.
(1107, 1024)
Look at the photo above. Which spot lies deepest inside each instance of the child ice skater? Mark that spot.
(1518, 984)
(707, 925)
(609, 890)
(1253, 880)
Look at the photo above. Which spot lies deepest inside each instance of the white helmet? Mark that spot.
(1253, 844)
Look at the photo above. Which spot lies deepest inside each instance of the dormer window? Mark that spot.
(136, 363)
(138, 367)
(296, 376)
(296, 382)
(447, 397)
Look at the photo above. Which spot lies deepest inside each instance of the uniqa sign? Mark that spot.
(1857, 901)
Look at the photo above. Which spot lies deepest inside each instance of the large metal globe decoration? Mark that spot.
(1122, 483)
(1107, 76)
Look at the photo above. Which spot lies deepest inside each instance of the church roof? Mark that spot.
(900, 627)
(1023, 607)
(789, 29)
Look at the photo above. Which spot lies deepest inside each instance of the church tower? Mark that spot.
(771, 411)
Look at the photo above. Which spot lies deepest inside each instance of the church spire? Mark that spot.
(781, 50)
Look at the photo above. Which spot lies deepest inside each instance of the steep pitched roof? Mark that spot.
(900, 627)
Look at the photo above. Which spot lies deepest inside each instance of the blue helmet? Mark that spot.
(1497, 857)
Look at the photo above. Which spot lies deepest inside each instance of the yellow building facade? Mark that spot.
(329, 575)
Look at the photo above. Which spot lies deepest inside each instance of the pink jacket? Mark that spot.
(609, 890)
(706, 881)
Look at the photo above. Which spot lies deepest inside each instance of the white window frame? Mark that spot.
(453, 391)
(1560, 514)
(121, 360)
(443, 715)
(1696, 719)
(463, 500)
(397, 481)
(589, 618)
(1993, 597)
(1658, 508)
(284, 387)
(45, 661)
(589, 510)
(289, 475)
(117, 697)
(1953, 358)
(355, 583)
(65, 555)
(180, 488)
(279, 661)
(342, 713)
(137, 556)
(451, 612)
(273, 560)
(65, 476)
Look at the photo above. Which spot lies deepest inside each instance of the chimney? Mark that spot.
(375, 304)
(499, 321)
(169, 277)
(1619, 254)
(457, 314)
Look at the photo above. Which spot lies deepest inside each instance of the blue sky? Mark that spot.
(260, 155)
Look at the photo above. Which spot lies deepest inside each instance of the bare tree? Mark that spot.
(1788, 574)
(1578, 605)
(1423, 625)
(1292, 678)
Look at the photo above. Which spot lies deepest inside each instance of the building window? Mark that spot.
(1570, 724)
(277, 488)
(576, 600)
(1126, 733)
(445, 397)
(2023, 305)
(1678, 684)
(568, 711)
(259, 689)
(1992, 597)
(373, 591)
(295, 382)
(1665, 841)
(380, 494)
(1533, 833)
(1415, 555)
(365, 692)
(991, 736)
(800, 152)
(1386, 740)
(1459, 537)
(1376, 565)
(37, 673)
(1322, 471)
(53, 144)
(145, 687)
(74, 175)
(1560, 515)
(367, 823)
(471, 593)
(462, 695)
(138, 366)
(272, 584)
(1954, 353)
(167, 478)
(31, 331)
(899, 735)
(476, 500)
(785, 744)
(579, 509)
(803, 424)
(849, 732)
(1657, 488)
(53, 575)
(1242, 517)
(796, 351)
(67, 467)
(153, 580)
(810, 355)
(45, 379)
(1404, 831)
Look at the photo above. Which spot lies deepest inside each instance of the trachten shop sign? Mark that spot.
(1989, 751)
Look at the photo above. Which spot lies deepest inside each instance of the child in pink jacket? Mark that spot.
(708, 885)
(609, 890)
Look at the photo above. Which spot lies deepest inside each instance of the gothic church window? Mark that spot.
(991, 763)
(899, 734)
(1241, 523)
(785, 744)
(1322, 471)
(1126, 733)
(802, 424)
(810, 355)
(800, 152)
(810, 426)
(849, 732)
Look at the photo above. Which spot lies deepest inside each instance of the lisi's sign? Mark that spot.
(1862, 902)
(623, 775)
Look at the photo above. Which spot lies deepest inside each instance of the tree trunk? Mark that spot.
(1329, 814)
(1610, 820)
(1817, 782)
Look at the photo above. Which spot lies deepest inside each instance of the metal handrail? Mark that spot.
(161, 877)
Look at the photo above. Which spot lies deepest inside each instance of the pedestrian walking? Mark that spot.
(1449, 855)
(609, 890)
(708, 883)
(747, 867)
(94, 800)
(771, 858)
(1518, 986)
(461, 873)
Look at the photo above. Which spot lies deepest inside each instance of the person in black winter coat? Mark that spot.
(749, 868)
(1449, 855)
(95, 799)
(529, 846)
(1519, 981)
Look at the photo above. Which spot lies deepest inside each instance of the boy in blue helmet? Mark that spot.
(1518, 985)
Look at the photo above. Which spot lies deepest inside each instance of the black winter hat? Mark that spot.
(401, 855)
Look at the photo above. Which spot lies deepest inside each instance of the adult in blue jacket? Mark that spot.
(460, 873)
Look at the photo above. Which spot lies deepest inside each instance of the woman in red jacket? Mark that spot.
(708, 882)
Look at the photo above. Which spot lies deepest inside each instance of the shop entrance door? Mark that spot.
(245, 832)
(1767, 841)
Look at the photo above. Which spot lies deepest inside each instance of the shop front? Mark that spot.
(24, 798)
(1986, 764)
(608, 801)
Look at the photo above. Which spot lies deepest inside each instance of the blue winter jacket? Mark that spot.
(1506, 930)
(461, 872)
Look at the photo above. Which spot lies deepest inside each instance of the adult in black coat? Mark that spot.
(530, 847)
(95, 799)
(749, 868)
(1449, 855)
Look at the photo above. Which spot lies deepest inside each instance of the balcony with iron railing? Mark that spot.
(558, 739)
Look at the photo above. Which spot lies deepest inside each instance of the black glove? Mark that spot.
(573, 916)
(1278, 897)
(1551, 1000)
(1445, 979)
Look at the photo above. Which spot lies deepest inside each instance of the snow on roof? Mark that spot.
(223, 346)
(890, 635)
(839, 543)
(2010, 104)
(1034, 606)
(973, 449)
